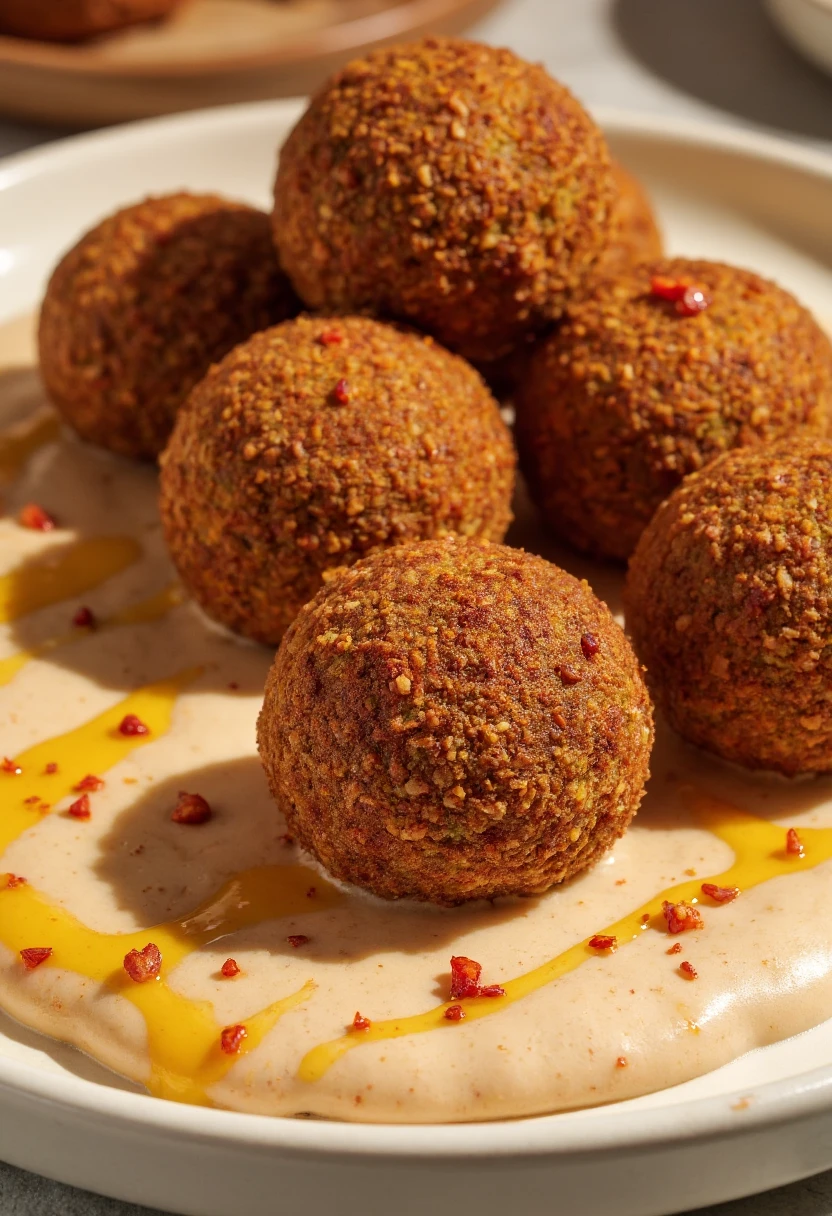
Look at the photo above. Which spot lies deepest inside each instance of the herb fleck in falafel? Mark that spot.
(631, 394)
(729, 602)
(136, 313)
(448, 184)
(455, 720)
(314, 443)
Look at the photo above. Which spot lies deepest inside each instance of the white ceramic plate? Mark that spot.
(763, 1120)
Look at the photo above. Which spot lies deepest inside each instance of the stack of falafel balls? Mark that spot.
(448, 718)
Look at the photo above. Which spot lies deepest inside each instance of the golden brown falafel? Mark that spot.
(72, 20)
(136, 313)
(448, 184)
(635, 235)
(454, 720)
(314, 443)
(729, 602)
(629, 394)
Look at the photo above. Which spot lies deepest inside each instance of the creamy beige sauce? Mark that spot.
(575, 1028)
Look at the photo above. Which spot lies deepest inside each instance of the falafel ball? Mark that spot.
(72, 20)
(729, 603)
(635, 237)
(136, 313)
(314, 443)
(637, 389)
(455, 720)
(448, 184)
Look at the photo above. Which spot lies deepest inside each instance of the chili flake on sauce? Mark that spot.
(191, 809)
(359, 1022)
(682, 916)
(130, 724)
(465, 980)
(34, 517)
(80, 809)
(794, 845)
(90, 782)
(33, 956)
(231, 1039)
(230, 968)
(145, 964)
(454, 1013)
(722, 895)
(688, 970)
(603, 941)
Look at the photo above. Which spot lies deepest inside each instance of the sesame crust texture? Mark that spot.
(448, 184)
(629, 396)
(434, 729)
(136, 313)
(635, 235)
(314, 443)
(729, 603)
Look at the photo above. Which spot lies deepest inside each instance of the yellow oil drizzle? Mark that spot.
(154, 608)
(183, 1034)
(16, 447)
(759, 849)
(64, 571)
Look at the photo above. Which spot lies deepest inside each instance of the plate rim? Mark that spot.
(554, 1136)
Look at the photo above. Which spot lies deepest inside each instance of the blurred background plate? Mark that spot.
(211, 52)
(808, 26)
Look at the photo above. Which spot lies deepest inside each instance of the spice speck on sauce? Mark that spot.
(297, 939)
(34, 517)
(231, 1039)
(721, 895)
(190, 809)
(621, 1062)
(465, 980)
(14, 880)
(84, 618)
(359, 1022)
(676, 948)
(681, 917)
(794, 845)
(590, 645)
(454, 1013)
(80, 808)
(11, 767)
(688, 970)
(51, 769)
(33, 956)
(130, 725)
(230, 968)
(145, 964)
(603, 941)
(90, 784)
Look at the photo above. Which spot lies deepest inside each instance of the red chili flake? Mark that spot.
(688, 970)
(694, 301)
(297, 939)
(84, 618)
(51, 768)
(33, 956)
(603, 941)
(359, 1022)
(331, 337)
(794, 845)
(34, 517)
(191, 809)
(90, 782)
(341, 392)
(131, 725)
(568, 675)
(722, 895)
(621, 1062)
(31, 799)
(465, 977)
(11, 767)
(667, 289)
(590, 645)
(80, 809)
(676, 948)
(230, 968)
(645, 917)
(15, 880)
(312, 892)
(454, 1013)
(492, 990)
(682, 916)
(231, 1039)
(145, 964)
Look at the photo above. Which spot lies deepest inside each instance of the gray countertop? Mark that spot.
(713, 59)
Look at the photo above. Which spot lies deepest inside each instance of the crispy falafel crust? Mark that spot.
(729, 603)
(136, 313)
(445, 183)
(314, 443)
(628, 396)
(635, 235)
(421, 737)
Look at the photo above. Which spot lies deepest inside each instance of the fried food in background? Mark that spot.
(314, 443)
(75, 20)
(136, 313)
(629, 395)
